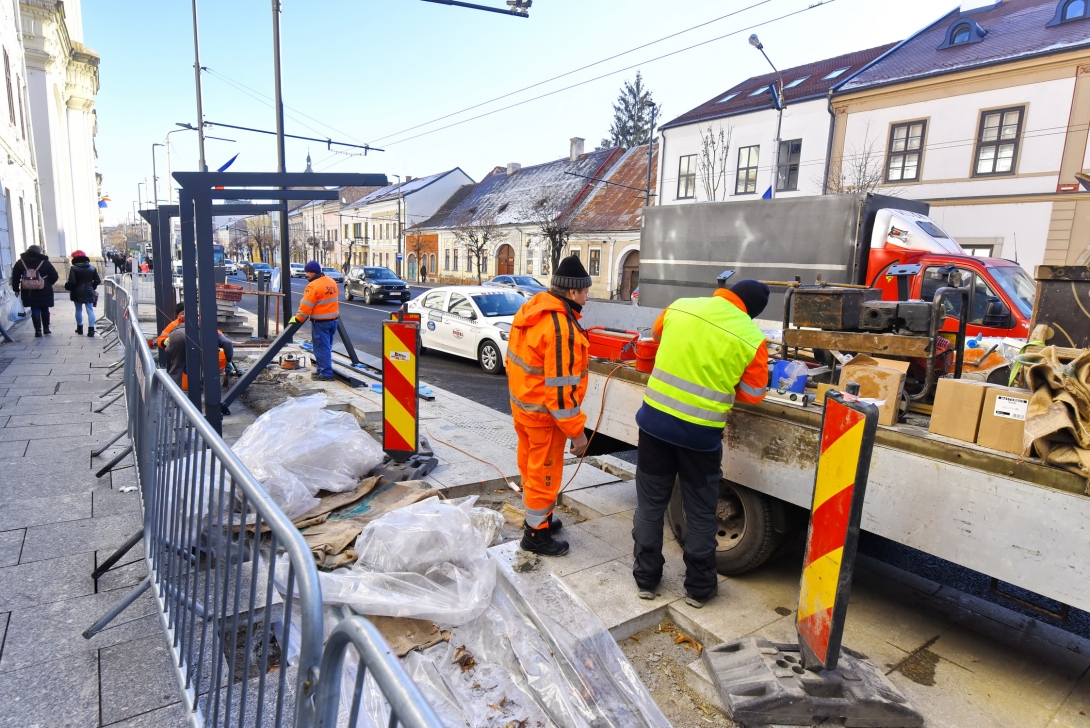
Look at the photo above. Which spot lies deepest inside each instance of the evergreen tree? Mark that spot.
(632, 116)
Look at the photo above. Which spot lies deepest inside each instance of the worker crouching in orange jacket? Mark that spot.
(547, 375)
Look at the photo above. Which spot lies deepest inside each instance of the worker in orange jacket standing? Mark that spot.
(319, 304)
(547, 375)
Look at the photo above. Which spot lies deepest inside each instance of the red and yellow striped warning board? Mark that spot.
(847, 439)
(401, 428)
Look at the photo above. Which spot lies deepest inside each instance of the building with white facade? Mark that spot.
(983, 114)
(376, 222)
(741, 123)
(62, 80)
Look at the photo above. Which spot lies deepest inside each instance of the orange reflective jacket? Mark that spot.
(162, 340)
(547, 365)
(319, 300)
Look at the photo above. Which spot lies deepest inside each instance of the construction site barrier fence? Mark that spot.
(246, 639)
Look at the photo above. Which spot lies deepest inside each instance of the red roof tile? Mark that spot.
(612, 207)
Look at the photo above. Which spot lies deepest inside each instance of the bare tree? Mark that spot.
(419, 248)
(261, 234)
(476, 233)
(556, 222)
(711, 163)
(861, 170)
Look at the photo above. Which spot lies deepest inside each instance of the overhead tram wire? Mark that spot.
(576, 70)
(816, 5)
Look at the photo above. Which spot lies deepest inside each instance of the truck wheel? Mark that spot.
(746, 536)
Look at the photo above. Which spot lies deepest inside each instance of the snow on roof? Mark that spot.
(511, 197)
(403, 190)
(1014, 29)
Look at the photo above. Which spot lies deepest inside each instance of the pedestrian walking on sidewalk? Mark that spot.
(319, 304)
(33, 278)
(710, 356)
(82, 286)
(547, 375)
(423, 274)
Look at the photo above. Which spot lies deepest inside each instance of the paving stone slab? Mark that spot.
(578, 477)
(46, 432)
(24, 380)
(11, 406)
(610, 593)
(64, 417)
(602, 500)
(61, 692)
(96, 386)
(39, 511)
(144, 664)
(586, 551)
(111, 502)
(16, 449)
(172, 716)
(125, 574)
(89, 534)
(49, 580)
(11, 544)
(79, 447)
(55, 630)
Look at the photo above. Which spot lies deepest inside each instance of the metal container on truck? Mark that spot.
(833, 238)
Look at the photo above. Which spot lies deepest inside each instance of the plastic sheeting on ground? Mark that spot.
(534, 652)
(298, 448)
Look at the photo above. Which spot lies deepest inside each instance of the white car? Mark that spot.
(469, 321)
(229, 267)
(297, 270)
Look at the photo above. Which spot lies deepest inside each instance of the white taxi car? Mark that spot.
(469, 321)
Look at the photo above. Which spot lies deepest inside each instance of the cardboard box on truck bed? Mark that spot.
(956, 412)
(875, 382)
(1003, 419)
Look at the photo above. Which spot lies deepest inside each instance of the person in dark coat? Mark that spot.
(119, 263)
(38, 300)
(82, 281)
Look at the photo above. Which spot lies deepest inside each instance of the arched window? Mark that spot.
(961, 34)
(1070, 10)
(965, 30)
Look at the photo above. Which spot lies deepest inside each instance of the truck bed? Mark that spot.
(1016, 520)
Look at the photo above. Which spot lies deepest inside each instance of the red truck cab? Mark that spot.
(1001, 293)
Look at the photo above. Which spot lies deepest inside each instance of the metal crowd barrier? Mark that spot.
(222, 560)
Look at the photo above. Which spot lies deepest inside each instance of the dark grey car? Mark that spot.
(527, 286)
(374, 283)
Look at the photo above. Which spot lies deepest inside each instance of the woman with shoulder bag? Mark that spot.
(33, 278)
(82, 281)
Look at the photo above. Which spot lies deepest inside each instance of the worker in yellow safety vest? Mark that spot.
(319, 304)
(711, 355)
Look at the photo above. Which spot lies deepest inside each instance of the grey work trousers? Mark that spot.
(659, 463)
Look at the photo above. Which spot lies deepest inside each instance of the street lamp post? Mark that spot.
(155, 176)
(779, 104)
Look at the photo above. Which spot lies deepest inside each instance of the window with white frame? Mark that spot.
(787, 173)
(997, 142)
(905, 151)
(594, 263)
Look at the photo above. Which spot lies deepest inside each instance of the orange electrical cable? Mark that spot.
(597, 424)
(480, 460)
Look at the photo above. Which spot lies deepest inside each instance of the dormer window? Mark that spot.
(835, 74)
(758, 92)
(964, 32)
(726, 98)
(796, 82)
(1070, 10)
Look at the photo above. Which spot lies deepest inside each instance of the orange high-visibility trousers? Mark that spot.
(541, 464)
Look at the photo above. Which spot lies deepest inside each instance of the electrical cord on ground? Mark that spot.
(511, 485)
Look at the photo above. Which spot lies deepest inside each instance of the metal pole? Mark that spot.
(281, 166)
(776, 150)
(650, 153)
(200, 100)
(155, 176)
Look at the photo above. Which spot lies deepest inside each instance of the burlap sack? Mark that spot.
(1058, 414)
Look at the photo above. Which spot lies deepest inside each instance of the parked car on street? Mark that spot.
(528, 286)
(251, 269)
(297, 270)
(230, 267)
(333, 273)
(469, 321)
(375, 283)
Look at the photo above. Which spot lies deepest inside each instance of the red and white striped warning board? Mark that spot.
(847, 439)
(401, 426)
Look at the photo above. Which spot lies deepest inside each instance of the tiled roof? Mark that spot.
(510, 197)
(612, 207)
(816, 81)
(1015, 29)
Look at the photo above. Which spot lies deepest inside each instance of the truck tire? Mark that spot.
(746, 535)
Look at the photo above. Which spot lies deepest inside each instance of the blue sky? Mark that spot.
(363, 70)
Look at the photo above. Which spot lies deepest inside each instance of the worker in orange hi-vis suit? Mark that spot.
(319, 304)
(547, 374)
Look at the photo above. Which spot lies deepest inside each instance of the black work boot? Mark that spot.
(90, 330)
(555, 524)
(45, 322)
(541, 541)
(79, 329)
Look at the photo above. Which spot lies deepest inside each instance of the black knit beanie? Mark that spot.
(571, 274)
(754, 295)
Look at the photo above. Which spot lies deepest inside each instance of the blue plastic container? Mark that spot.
(780, 371)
